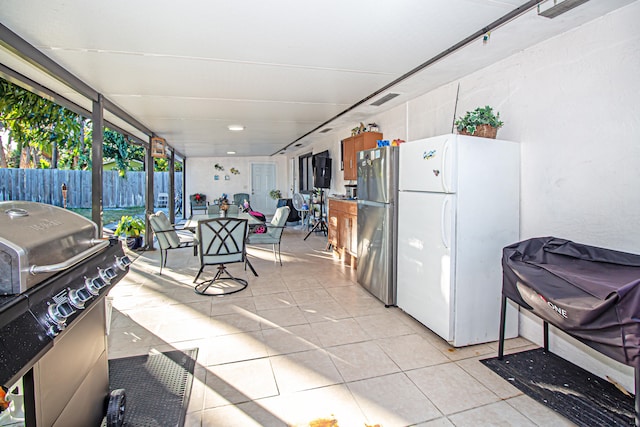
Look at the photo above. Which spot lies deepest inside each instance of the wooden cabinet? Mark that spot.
(343, 227)
(350, 148)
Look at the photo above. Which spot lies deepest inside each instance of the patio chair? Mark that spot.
(213, 209)
(239, 198)
(273, 233)
(221, 242)
(163, 200)
(198, 202)
(169, 238)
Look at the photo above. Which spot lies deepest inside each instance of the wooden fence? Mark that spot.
(45, 186)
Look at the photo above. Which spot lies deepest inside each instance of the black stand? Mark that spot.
(320, 224)
(545, 338)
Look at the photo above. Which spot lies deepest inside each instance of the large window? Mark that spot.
(305, 169)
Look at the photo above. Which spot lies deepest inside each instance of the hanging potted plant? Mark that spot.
(481, 122)
(132, 229)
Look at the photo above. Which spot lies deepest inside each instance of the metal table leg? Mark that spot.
(636, 371)
(503, 318)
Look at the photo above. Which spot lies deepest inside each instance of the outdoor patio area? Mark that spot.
(304, 343)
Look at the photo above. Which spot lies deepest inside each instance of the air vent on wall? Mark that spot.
(553, 8)
(384, 99)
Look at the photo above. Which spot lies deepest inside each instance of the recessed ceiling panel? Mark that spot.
(186, 70)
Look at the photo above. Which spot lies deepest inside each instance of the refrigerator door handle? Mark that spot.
(443, 214)
(443, 169)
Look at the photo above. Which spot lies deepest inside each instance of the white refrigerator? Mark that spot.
(458, 206)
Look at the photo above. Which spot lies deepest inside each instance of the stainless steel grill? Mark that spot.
(38, 240)
(55, 272)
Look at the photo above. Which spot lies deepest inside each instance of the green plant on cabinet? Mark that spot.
(470, 122)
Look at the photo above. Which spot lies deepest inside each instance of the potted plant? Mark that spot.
(133, 229)
(275, 194)
(480, 122)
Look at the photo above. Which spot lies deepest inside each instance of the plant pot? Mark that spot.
(483, 131)
(134, 242)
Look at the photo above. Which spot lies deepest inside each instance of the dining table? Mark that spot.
(192, 224)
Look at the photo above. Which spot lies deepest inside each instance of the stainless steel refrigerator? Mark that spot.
(377, 225)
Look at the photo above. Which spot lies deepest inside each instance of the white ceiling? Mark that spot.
(186, 70)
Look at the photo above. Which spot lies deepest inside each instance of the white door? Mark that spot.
(425, 233)
(263, 180)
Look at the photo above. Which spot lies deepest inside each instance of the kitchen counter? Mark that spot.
(343, 198)
(343, 227)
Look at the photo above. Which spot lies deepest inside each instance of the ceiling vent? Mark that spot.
(553, 8)
(384, 99)
(326, 130)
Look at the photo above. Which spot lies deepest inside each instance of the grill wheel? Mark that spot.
(116, 407)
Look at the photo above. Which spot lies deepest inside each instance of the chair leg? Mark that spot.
(202, 287)
(247, 262)
(199, 273)
(279, 254)
(162, 260)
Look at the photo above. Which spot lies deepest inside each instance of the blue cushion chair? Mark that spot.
(239, 198)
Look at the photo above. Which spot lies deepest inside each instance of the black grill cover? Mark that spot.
(589, 292)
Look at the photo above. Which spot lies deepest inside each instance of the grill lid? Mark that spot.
(37, 240)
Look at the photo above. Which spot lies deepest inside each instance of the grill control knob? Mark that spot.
(107, 274)
(59, 312)
(54, 330)
(77, 297)
(123, 263)
(94, 285)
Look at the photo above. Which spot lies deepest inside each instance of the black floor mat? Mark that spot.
(157, 387)
(578, 395)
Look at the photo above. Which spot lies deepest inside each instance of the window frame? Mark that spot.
(305, 172)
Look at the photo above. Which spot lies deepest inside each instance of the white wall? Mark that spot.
(573, 102)
(200, 172)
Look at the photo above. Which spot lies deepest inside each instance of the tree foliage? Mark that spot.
(117, 147)
(39, 127)
(47, 135)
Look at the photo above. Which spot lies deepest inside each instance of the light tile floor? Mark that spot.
(305, 345)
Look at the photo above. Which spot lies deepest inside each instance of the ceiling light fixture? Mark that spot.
(231, 152)
(235, 128)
